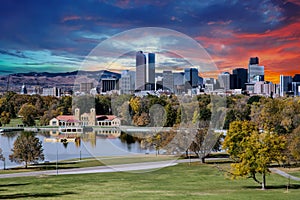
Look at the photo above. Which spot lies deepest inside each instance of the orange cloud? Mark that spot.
(278, 50)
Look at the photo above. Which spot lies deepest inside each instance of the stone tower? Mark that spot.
(77, 114)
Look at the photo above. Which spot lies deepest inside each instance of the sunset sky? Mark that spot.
(57, 35)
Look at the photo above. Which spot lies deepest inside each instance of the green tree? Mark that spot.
(170, 116)
(294, 143)
(27, 149)
(5, 117)
(252, 151)
(28, 113)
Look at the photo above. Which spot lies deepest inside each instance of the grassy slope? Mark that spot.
(179, 182)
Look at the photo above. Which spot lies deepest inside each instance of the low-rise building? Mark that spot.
(86, 119)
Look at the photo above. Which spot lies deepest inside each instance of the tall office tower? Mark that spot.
(190, 78)
(224, 80)
(296, 78)
(233, 81)
(242, 77)
(296, 88)
(285, 84)
(168, 81)
(140, 80)
(150, 72)
(127, 82)
(178, 82)
(255, 72)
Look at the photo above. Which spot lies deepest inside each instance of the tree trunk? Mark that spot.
(26, 165)
(202, 159)
(263, 183)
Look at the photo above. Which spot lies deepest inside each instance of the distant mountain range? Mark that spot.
(14, 82)
(101, 73)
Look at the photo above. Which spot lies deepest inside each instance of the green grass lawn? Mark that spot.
(18, 121)
(183, 181)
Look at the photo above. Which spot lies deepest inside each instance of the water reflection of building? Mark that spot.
(108, 132)
(86, 119)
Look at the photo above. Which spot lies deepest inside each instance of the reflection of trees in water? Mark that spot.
(89, 137)
(44, 133)
(128, 138)
(65, 144)
(11, 134)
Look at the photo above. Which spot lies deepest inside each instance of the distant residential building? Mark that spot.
(255, 72)
(285, 84)
(23, 89)
(86, 87)
(168, 81)
(296, 88)
(140, 80)
(94, 91)
(250, 88)
(242, 77)
(108, 84)
(127, 82)
(158, 82)
(224, 80)
(264, 88)
(54, 91)
(209, 87)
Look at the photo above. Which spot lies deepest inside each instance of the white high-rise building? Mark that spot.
(127, 82)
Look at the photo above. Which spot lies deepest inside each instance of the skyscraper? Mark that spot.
(168, 81)
(140, 80)
(285, 84)
(190, 78)
(150, 72)
(296, 88)
(224, 80)
(255, 72)
(178, 82)
(242, 76)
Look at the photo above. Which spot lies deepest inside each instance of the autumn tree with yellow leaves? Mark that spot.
(252, 150)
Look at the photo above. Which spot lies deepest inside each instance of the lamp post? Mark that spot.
(56, 160)
(3, 163)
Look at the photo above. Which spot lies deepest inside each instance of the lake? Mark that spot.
(90, 145)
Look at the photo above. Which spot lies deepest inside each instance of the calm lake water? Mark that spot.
(90, 146)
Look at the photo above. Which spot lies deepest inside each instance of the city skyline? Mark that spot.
(57, 37)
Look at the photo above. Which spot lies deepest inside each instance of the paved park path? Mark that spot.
(284, 174)
(144, 166)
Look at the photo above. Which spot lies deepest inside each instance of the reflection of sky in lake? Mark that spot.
(103, 147)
